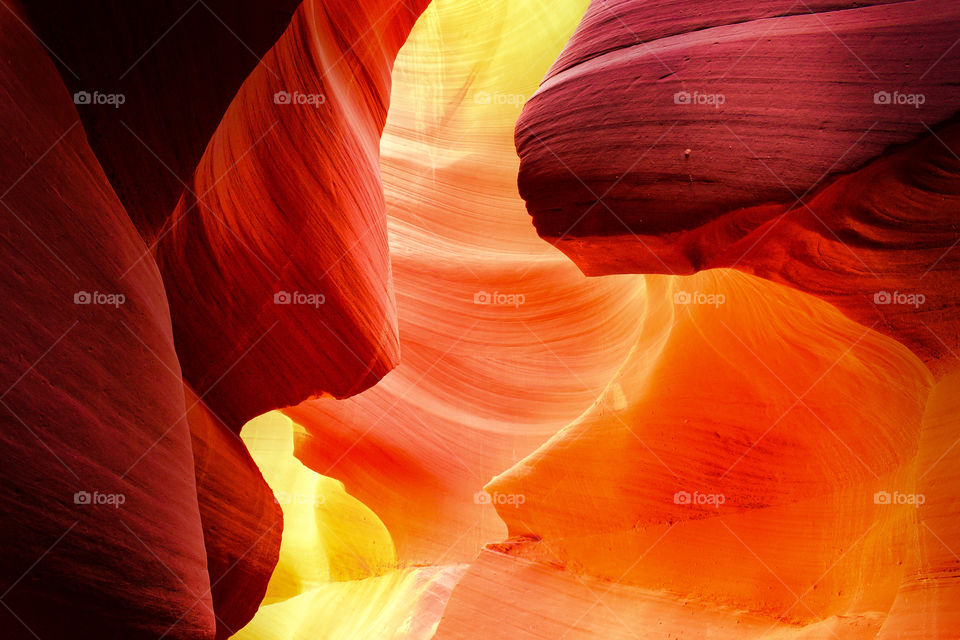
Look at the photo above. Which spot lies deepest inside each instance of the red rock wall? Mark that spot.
(275, 258)
(792, 172)
(242, 522)
(177, 64)
(101, 529)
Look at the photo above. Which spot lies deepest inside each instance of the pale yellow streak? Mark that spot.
(447, 152)
(328, 535)
(405, 604)
(460, 83)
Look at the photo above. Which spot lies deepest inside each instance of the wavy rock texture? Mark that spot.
(177, 64)
(216, 248)
(666, 140)
(337, 576)
(242, 523)
(282, 256)
(926, 603)
(766, 450)
(726, 464)
(573, 576)
(331, 536)
(403, 604)
(501, 596)
(490, 368)
(91, 393)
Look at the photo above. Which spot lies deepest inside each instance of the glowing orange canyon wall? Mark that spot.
(475, 320)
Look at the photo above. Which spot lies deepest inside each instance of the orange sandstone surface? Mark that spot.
(292, 354)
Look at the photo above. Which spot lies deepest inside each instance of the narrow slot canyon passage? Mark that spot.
(463, 319)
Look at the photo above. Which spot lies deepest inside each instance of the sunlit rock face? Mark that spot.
(604, 577)
(350, 391)
(337, 576)
(489, 367)
(722, 388)
(925, 605)
(101, 528)
(727, 446)
(279, 243)
(807, 144)
(331, 536)
(837, 179)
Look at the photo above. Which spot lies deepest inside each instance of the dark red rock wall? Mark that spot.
(177, 64)
(669, 139)
(101, 532)
(242, 522)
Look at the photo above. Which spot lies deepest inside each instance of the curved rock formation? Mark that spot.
(276, 257)
(404, 604)
(924, 606)
(337, 576)
(545, 601)
(152, 81)
(490, 367)
(101, 528)
(330, 536)
(242, 523)
(767, 449)
(665, 141)
(725, 463)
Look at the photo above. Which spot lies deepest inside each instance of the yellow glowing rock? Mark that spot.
(448, 157)
(480, 384)
(328, 535)
(403, 604)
